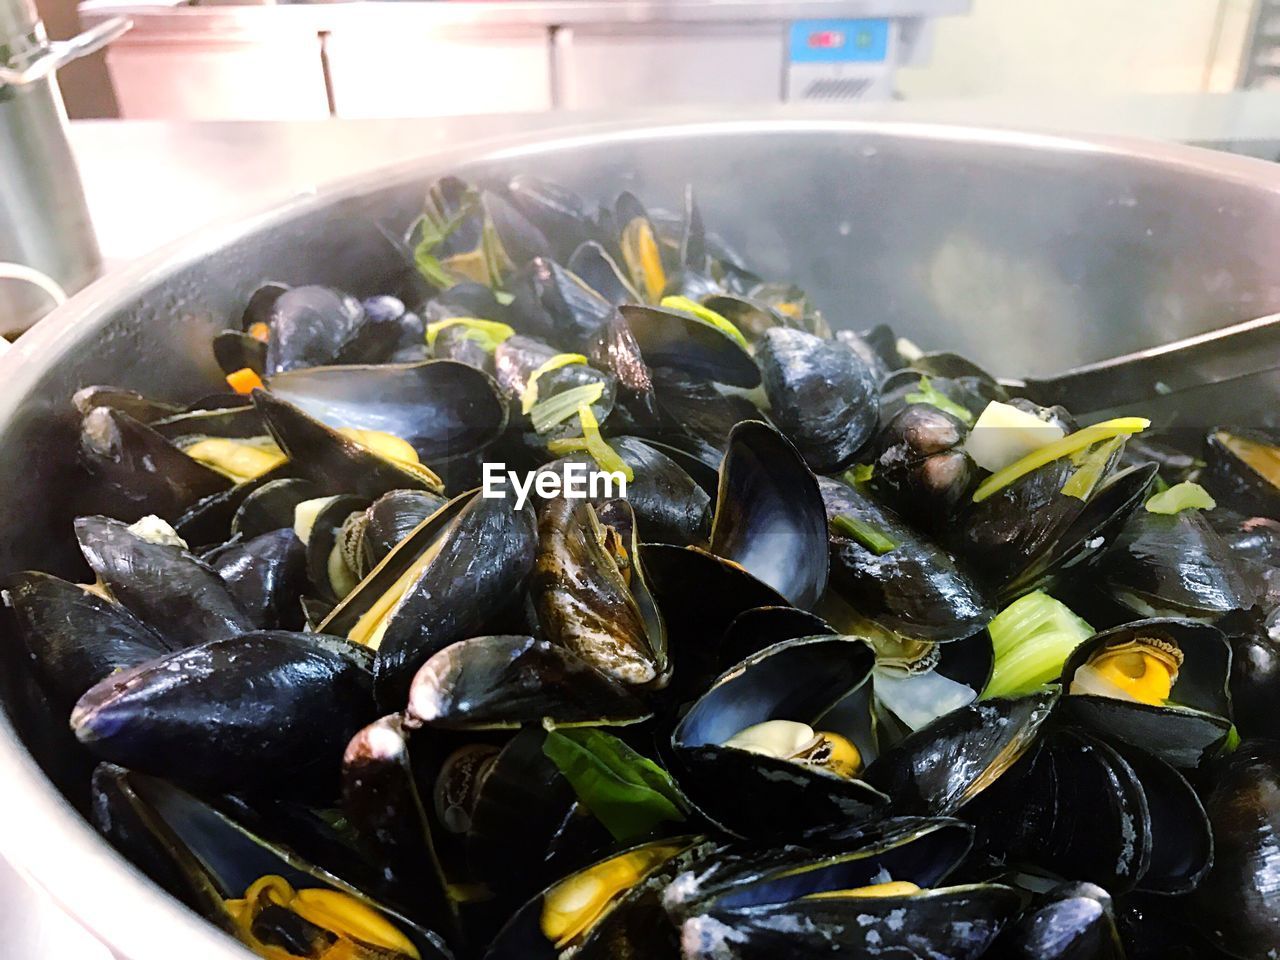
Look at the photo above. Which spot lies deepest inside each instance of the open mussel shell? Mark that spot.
(444, 409)
(459, 569)
(1242, 468)
(669, 338)
(610, 909)
(75, 637)
(499, 682)
(209, 861)
(333, 561)
(816, 909)
(821, 394)
(919, 850)
(599, 271)
(390, 519)
(556, 211)
(238, 422)
(130, 402)
(333, 462)
(769, 516)
(271, 506)
(381, 801)
(1194, 720)
(699, 414)
(1073, 921)
(268, 707)
(915, 589)
(1238, 904)
(591, 595)
(1175, 565)
(558, 304)
(139, 470)
(753, 630)
(943, 766)
(1029, 534)
(1107, 813)
(310, 326)
(266, 576)
(236, 350)
(161, 583)
(754, 795)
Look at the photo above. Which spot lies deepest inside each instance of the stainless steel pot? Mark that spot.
(1027, 252)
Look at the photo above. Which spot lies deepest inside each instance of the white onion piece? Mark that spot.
(918, 701)
(1003, 435)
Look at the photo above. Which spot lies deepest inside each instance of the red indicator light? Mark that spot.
(826, 40)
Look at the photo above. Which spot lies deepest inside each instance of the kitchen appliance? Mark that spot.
(1029, 253)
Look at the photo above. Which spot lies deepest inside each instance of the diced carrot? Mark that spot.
(244, 380)
(260, 331)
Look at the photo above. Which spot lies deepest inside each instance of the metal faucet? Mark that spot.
(44, 222)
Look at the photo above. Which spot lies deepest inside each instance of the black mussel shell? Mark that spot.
(557, 304)
(1249, 485)
(442, 408)
(161, 583)
(75, 637)
(1255, 678)
(266, 576)
(821, 394)
(877, 348)
(759, 796)
(922, 470)
(1072, 805)
(238, 422)
(233, 714)
(333, 462)
(1029, 534)
(381, 801)
(493, 683)
(915, 590)
(901, 384)
(467, 562)
(556, 211)
(1073, 921)
(333, 565)
(1175, 565)
(129, 402)
(1238, 904)
(923, 851)
(943, 766)
(669, 338)
(669, 506)
(751, 317)
(271, 506)
(390, 519)
(753, 630)
(591, 263)
(769, 516)
(209, 521)
(310, 326)
(1197, 717)
(139, 470)
(236, 350)
(700, 416)
(628, 923)
(593, 601)
(205, 858)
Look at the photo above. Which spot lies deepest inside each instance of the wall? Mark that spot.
(1027, 48)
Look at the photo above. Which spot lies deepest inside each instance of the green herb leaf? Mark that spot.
(1032, 638)
(877, 541)
(928, 393)
(1179, 497)
(430, 267)
(859, 474)
(624, 790)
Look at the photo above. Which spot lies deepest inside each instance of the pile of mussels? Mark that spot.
(873, 659)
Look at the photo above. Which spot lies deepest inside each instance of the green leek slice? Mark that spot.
(530, 395)
(1179, 497)
(487, 333)
(594, 443)
(706, 315)
(545, 414)
(877, 541)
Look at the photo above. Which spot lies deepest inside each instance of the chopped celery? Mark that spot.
(706, 315)
(859, 474)
(1181, 496)
(928, 393)
(1032, 638)
(530, 395)
(1068, 445)
(594, 443)
(874, 540)
(547, 413)
(487, 333)
(1085, 478)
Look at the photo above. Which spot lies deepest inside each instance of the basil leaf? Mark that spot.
(625, 791)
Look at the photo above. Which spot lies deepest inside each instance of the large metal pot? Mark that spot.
(1029, 253)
